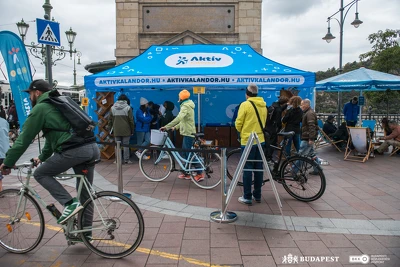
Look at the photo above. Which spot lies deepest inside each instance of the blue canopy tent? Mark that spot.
(362, 79)
(225, 70)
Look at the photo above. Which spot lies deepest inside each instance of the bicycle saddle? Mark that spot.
(91, 162)
(198, 135)
(286, 134)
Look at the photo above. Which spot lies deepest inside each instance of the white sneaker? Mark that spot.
(138, 154)
(128, 162)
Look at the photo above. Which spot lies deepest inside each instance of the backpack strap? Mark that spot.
(47, 130)
(258, 116)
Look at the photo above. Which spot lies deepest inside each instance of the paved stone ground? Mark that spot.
(363, 191)
(184, 239)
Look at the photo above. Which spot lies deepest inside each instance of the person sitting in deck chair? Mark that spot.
(392, 139)
(330, 128)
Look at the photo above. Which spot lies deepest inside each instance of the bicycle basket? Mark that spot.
(157, 137)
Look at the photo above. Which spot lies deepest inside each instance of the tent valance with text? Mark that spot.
(216, 66)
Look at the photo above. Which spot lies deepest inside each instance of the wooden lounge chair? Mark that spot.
(395, 149)
(359, 145)
(324, 140)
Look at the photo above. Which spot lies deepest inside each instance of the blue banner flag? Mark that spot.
(19, 72)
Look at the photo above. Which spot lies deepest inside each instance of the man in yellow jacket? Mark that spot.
(247, 123)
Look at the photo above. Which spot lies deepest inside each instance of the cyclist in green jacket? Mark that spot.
(62, 150)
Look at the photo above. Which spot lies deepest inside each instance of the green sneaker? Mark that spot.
(70, 211)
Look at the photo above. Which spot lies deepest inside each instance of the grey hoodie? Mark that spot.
(121, 119)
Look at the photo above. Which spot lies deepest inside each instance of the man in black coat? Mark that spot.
(330, 128)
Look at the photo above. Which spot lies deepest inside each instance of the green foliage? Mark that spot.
(388, 61)
(380, 41)
(322, 75)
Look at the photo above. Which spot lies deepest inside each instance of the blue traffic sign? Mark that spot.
(361, 100)
(48, 32)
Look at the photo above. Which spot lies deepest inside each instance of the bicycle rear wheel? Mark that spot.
(117, 228)
(157, 167)
(298, 180)
(212, 171)
(22, 232)
(232, 162)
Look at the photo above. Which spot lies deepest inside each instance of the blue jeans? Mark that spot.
(187, 143)
(143, 139)
(296, 141)
(247, 175)
(306, 149)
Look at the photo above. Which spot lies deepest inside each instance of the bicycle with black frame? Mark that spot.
(300, 175)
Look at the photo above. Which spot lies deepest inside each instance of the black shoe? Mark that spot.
(377, 152)
(258, 200)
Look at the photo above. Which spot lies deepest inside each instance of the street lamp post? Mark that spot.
(329, 37)
(46, 52)
(79, 54)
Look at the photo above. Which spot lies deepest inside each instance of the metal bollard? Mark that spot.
(119, 171)
(223, 216)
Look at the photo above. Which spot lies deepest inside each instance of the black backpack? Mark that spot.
(274, 118)
(82, 125)
(270, 113)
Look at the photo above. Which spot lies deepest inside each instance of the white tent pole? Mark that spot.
(198, 112)
(315, 97)
(361, 93)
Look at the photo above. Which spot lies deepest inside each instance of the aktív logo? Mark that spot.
(198, 60)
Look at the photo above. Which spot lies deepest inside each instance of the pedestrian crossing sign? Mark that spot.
(48, 32)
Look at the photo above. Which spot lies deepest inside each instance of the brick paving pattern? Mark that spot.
(367, 194)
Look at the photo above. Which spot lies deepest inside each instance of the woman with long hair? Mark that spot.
(292, 119)
(385, 126)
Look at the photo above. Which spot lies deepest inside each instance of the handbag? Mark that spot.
(264, 130)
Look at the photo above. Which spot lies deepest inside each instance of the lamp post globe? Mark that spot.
(22, 29)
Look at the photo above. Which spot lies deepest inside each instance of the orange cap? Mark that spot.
(184, 94)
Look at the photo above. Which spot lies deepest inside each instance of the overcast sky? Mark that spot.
(291, 31)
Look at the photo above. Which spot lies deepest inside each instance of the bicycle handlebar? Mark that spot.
(31, 164)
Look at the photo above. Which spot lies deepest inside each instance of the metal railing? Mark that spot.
(376, 117)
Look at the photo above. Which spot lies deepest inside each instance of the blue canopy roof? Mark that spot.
(360, 79)
(214, 66)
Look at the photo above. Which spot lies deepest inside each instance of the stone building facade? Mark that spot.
(143, 23)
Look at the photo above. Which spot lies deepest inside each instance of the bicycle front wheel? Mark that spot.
(303, 179)
(155, 166)
(212, 171)
(20, 232)
(114, 225)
